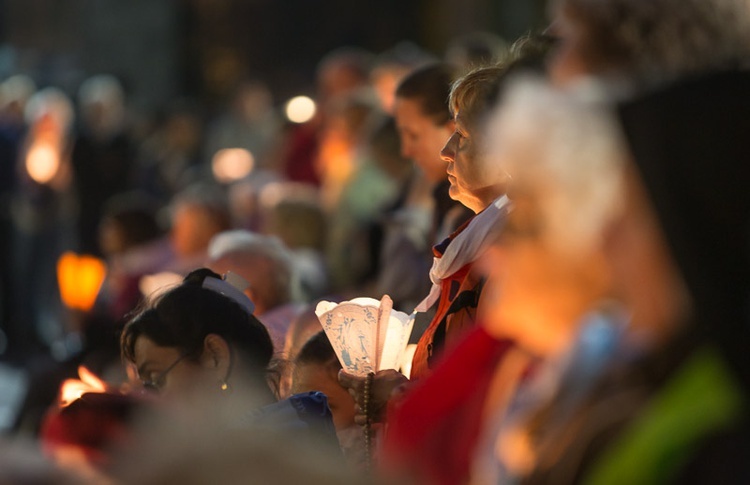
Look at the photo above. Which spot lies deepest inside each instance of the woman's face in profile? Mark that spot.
(537, 294)
(165, 370)
(421, 138)
(470, 176)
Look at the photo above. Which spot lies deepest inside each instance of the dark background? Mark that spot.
(168, 49)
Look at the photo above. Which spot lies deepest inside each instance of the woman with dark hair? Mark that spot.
(200, 340)
(195, 335)
(425, 122)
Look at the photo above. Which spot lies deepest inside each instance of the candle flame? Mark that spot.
(73, 389)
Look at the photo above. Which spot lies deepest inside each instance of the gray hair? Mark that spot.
(241, 246)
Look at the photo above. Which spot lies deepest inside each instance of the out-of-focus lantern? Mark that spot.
(232, 164)
(79, 279)
(367, 335)
(42, 162)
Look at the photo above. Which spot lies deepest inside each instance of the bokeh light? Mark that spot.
(42, 162)
(155, 284)
(232, 164)
(300, 109)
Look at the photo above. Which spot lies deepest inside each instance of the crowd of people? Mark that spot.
(564, 216)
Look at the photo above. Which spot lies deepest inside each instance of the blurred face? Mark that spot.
(165, 370)
(192, 229)
(535, 294)
(316, 377)
(647, 278)
(473, 181)
(421, 138)
(567, 63)
(111, 238)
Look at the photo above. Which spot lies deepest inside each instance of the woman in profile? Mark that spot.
(200, 343)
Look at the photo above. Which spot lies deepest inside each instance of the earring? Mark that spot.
(225, 386)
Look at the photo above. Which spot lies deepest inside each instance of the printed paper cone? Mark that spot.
(367, 335)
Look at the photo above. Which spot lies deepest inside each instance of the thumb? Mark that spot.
(347, 380)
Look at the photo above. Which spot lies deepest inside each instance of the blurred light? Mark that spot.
(79, 279)
(72, 389)
(42, 162)
(300, 109)
(155, 284)
(408, 356)
(232, 164)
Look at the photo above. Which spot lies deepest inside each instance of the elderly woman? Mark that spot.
(480, 186)
(665, 400)
(457, 288)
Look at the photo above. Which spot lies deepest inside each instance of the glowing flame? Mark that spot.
(300, 109)
(42, 162)
(232, 164)
(73, 389)
(79, 279)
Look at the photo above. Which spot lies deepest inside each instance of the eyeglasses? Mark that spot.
(156, 384)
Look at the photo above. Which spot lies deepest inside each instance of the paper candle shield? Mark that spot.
(367, 334)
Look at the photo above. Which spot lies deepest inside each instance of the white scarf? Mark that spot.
(466, 247)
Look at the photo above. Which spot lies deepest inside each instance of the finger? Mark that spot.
(348, 380)
(360, 419)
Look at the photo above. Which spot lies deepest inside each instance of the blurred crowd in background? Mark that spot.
(90, 189)
(563, 213)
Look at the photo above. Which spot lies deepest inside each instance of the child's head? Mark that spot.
(316, 368)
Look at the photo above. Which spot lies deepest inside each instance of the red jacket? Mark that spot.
(432, 433)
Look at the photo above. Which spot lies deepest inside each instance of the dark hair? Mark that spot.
(476, 48)
(184, 316)
(531, 50)
(318, 350)
(136, 213)
(430, 86)
(210, 198)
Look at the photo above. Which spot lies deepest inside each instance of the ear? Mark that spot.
(217, 355)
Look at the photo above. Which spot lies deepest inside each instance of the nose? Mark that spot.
(448, 153)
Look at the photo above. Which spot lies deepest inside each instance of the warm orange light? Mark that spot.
(232, 164)
(73, 389)
(300, 109)
(42, 162)
(79, 279)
